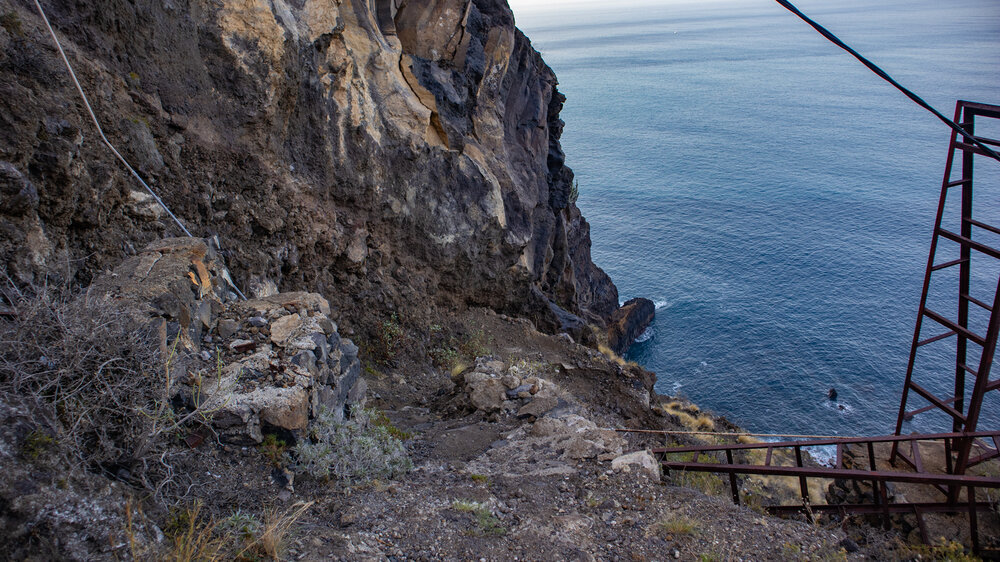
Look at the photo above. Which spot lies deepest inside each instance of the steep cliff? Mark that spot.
(382, 153)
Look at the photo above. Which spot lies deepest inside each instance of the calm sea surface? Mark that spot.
(773, 196)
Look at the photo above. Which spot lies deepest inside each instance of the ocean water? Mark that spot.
(773, 196)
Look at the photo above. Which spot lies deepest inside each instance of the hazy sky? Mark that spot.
(523, 6)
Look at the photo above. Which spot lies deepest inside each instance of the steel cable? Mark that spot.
(97, 123)
(885, 76)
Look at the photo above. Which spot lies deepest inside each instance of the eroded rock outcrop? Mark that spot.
(378, 152)
(250, 366)
(629, 322)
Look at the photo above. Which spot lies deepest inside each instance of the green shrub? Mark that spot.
(351, 451)
(488, 523)
(387, 340)
(274, 449)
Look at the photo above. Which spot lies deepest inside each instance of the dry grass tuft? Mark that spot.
(675, 525)
(195, 539)
(275, 534)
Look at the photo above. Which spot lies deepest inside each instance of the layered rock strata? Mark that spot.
(378, 152)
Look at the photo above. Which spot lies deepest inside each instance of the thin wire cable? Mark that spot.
(741, 434)
(97, 124)
(885, 76)
(729, 434)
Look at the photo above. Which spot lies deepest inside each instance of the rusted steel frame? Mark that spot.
(733, 487)
(984, 109)
(921, 524)
(833, 473)
(880, 496)
(979, 389)
(869, 509)
(977, 246)
(935, 401)
(911, 414)
(973, 520)
(926, 286)
(822, 442)
(964, 280)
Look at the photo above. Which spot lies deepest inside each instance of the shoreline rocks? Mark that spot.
(629, 322)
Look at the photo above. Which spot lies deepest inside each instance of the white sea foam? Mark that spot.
(646, 335)
(660, 304)
(838, 406)
(826, 455)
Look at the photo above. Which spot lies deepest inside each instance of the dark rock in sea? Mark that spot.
(832, 394)
(629, 322)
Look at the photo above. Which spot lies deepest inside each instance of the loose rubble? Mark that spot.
(252, 366)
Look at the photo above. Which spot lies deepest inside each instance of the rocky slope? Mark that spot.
(382, 171)
(384, 154)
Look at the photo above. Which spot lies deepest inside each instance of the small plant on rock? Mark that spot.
(241, 525)
(944, 549)
(352, 451)
(379, 418)
(387, 340)
(37, 444)
(488, 523)
(274, 449)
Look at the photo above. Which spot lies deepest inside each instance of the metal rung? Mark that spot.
(989, 141)
(909, 415)
(958, 182)
(992, 252)
(969, 369)
(985, 446)
(938, 402)
(993, 385)
(979, 109)
(969, 147)
(983, 225)
(948, 264)
(935, 338)
(917, 460)
(976, 302)
(955, 327)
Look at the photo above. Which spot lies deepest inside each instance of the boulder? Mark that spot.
(486, 392)
(643, 461)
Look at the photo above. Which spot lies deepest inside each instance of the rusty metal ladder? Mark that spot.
(964, 419)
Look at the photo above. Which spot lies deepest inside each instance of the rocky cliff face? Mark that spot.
(379, 152)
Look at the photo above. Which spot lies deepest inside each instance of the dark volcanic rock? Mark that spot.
(386, 157)
(629, 322)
